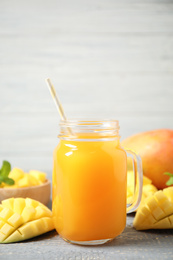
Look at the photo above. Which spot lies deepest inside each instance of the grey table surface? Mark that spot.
(129, 245)
(107, 59)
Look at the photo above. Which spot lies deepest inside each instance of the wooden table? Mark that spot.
(107, 59)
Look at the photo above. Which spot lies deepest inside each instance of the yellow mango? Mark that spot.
(14, 186)
(156, 212)
(156, 151)
(24, 182)
(40, 176)
(8, 203)
(31, 203)
(5, 213)
(148, 188)
(1, 223)
(15, 220)
(163, 224)
(31, 229)
(146, 180)
(32, 180)
(23, 179)
(21, 219)
(169, 193)
(27, 180)
(42, 212)
(16, 174)
(18, 205)
(28, 214)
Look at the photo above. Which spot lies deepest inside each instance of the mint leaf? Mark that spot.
(5, 169)
(170, 181)
(4, 172)
(1, 179)
(8, 181)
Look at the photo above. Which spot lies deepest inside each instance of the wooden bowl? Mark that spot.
(40, 192)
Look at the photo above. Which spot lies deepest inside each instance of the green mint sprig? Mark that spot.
(170, 181)
(4, 172)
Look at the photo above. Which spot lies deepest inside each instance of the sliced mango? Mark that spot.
(30, 230)
(21, 219)
(148, 188)
(156, 212)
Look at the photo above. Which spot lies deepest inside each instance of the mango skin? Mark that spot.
(156, 151)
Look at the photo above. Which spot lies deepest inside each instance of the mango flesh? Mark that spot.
(156, 212)
(148, 188)
(22, 219)
(22, 179)
(156, 151)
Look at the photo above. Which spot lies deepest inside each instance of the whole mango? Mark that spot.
(156, 151)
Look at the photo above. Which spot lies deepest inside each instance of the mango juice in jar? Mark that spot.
(89, 182)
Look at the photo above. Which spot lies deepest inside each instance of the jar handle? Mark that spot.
(138, 175)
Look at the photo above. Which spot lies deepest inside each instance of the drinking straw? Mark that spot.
(57, 102)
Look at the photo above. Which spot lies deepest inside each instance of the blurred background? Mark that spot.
(106, 59)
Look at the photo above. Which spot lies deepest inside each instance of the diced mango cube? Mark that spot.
(169, 193)
(15, 220)
(19, 205)
(167, 207)
(24, 181)
(5, 213)
(8, 203)
(149, 189)
(146, 180)
(151, 203)
(158, 213)
(145, 210)
(160, 196)
(16, 174)
(42, 212)
(41, 176)
(2, 222)
(28, 214)
(150, 220)
(32, 180)
(7, 229)
(31, 203)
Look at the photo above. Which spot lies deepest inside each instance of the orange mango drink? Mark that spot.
(89, 184)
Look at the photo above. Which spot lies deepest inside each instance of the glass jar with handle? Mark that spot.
(90, 180)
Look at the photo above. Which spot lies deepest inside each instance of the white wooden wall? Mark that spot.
(106, 58)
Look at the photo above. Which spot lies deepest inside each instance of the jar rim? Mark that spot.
(87, 120)
(89, 129)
